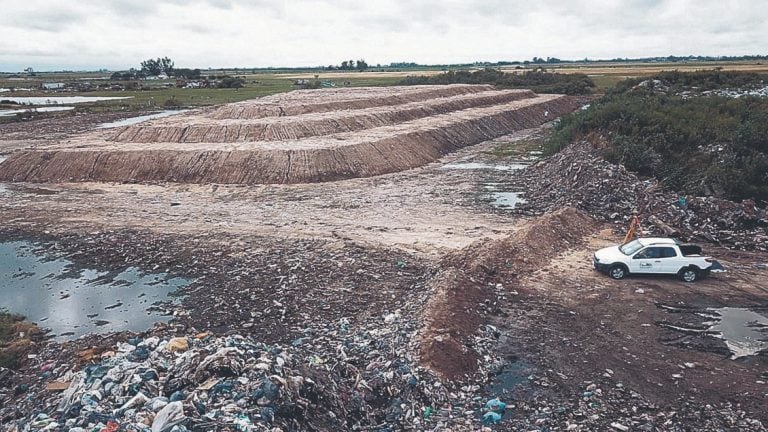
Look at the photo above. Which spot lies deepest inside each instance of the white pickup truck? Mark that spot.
(655, 256)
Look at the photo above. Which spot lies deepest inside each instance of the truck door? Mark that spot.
(647, 260)
(669, 260)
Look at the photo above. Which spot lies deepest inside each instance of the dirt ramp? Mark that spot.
(466, 284)
(196, 129)
(318, 101)
(350, 143)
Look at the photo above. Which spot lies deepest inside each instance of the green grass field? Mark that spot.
(156, 95)
(266, 83)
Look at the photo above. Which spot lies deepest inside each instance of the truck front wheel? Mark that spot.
(617, 271)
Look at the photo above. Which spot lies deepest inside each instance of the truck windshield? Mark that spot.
(631, 247)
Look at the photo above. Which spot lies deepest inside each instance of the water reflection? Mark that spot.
(745, 332)
(73, 301)
(483, 166)
(138, 119)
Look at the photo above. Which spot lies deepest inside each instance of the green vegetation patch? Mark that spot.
(677, 82)
(539, 82)
(701, 145)
(518, 149)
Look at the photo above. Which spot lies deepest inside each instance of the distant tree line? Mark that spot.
(699, 145)
(359, 65)
(155, 67)
(538, 81)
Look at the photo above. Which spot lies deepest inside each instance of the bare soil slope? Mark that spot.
(300, 137)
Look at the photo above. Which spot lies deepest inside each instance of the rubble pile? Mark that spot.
(361, 380)
(663, 87)
(578, 176)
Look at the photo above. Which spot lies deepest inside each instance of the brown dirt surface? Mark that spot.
(466, 281)
(591, 323)
(316, 136)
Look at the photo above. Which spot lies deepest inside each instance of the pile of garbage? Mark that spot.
(738, 92)
(362, 380)
(578, 176)
(663, 87)
(347, 375)
(233, 383)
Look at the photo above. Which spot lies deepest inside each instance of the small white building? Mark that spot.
(53, 86)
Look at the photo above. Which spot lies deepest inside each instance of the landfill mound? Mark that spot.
(299, 137)
(579, 176)
(191, 128)
(317, 101)
(469, 280)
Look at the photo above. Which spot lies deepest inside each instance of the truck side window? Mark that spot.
(644, 254)
(650, 253)
(668, 252)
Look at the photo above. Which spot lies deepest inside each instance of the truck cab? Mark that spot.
(655, 256)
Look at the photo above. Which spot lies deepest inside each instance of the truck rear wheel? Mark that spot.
(688, 274)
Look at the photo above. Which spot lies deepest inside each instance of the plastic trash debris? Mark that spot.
(495, 405)
(168, 417)
(427, 412)
(178, 344)
(491, 417)
(243, 423)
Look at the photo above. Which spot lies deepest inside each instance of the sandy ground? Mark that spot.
(424, 210)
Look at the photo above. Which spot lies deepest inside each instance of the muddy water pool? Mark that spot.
(744, 331)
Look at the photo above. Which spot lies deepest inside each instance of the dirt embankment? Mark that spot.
(196, 128)
(375, 151)
(326, 100)
(465, 287)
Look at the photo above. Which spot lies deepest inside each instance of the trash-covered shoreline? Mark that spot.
(204, 382)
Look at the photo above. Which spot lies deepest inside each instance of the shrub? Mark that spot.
(171, 103)
(540, 82)
(699, 145)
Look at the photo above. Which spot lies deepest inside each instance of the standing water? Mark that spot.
(134, 120)
(74, 301)
(56, 100)
(745, 332)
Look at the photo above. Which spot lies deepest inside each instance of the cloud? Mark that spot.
(52, 20)
(119, 34)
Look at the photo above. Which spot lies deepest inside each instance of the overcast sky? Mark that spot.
(118, 34)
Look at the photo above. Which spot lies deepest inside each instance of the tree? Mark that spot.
(344, 65)
(166, 64)
(157, 66)
(151, 67)
(186, 73)
(362, 65)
